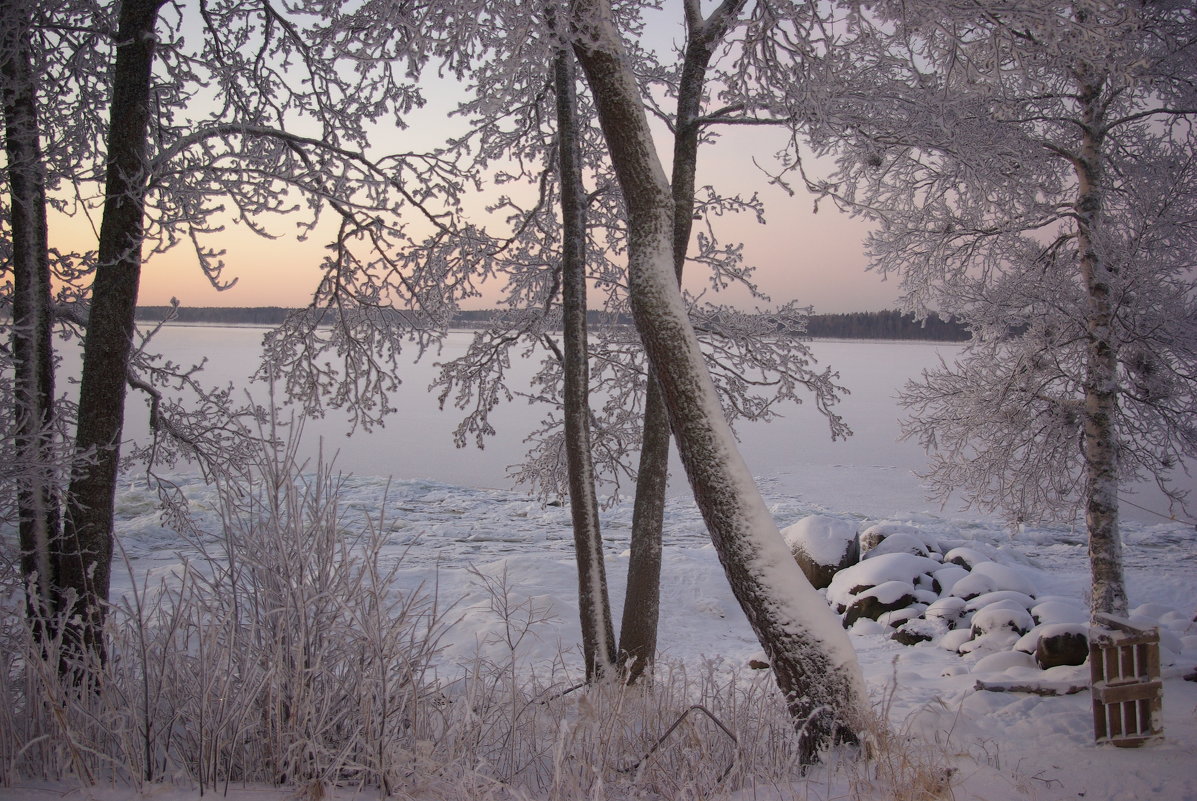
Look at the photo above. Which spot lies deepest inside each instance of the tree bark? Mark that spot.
(641, 610)
(108, 344)
(1100, 439)
(812, 660)
(32, 325)
(598, 636)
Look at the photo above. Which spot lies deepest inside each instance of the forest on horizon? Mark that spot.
(887, 324)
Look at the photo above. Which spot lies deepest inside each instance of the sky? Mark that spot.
(813, 259)
(816, 259)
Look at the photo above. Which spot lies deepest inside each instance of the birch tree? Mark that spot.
(809, 652)
(1032, 170)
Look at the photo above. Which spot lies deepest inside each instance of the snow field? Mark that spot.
(501, 570)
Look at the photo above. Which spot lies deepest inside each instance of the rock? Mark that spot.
(920, 630)
(900, 542)
(851, 581)
(1061, 644)
(955, 640)
(945, 578)
(822, 546)
(990, 577)
(981, 601)
(897, 617)
(874, 602)
(965, 557)
(1059, 611)
(1002, 615)
(947, 609)
(876, 534)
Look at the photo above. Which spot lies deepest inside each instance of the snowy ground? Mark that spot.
(1001, 745)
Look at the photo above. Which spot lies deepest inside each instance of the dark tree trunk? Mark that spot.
(108, 345)
(812, 660)
(641, 610)
(32, 324)
(598, 637)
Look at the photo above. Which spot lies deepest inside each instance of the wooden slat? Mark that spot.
(1118, 693)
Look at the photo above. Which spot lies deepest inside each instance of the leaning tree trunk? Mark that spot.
(32, 323)
(810, 654)
(598, 637)
(641, 609)
(1100, 438)
(108, 345)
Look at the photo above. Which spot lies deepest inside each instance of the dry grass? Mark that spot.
(282, 654)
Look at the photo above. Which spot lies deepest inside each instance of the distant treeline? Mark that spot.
(889, 324)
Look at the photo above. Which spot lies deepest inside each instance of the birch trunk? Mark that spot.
(641, 611)
(598, 637)
(32, 324)
(1100, 441)
(812, 660)
(108, 345)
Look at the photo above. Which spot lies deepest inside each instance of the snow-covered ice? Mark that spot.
(1004, 745)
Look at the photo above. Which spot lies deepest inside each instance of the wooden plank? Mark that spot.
(1119, 693)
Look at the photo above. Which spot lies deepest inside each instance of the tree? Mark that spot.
(32, 348)
(760, 359)
(1032, 171)
(598, 638)
(810, 655)
(263, 79)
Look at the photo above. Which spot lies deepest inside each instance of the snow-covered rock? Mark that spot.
(990, 577)
(822, 546)
(1006, 614)
(1062, 644)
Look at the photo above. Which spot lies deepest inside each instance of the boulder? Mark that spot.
(876, 601)
(876, 534)
(999, 615)
(900, 542)
(822, 546)
(920, 630)
(990, 577)
(1061, 644)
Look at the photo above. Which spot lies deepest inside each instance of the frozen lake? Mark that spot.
(870, 474)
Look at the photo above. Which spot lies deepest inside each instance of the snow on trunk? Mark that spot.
(811, 656)
(1101, 378)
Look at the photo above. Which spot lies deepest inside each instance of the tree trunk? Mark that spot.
(598, 637)
(1100, 438)
(812, 660)
(641, 609)
(108, 345)
(32, 324)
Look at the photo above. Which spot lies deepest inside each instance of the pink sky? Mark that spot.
(815, 259)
